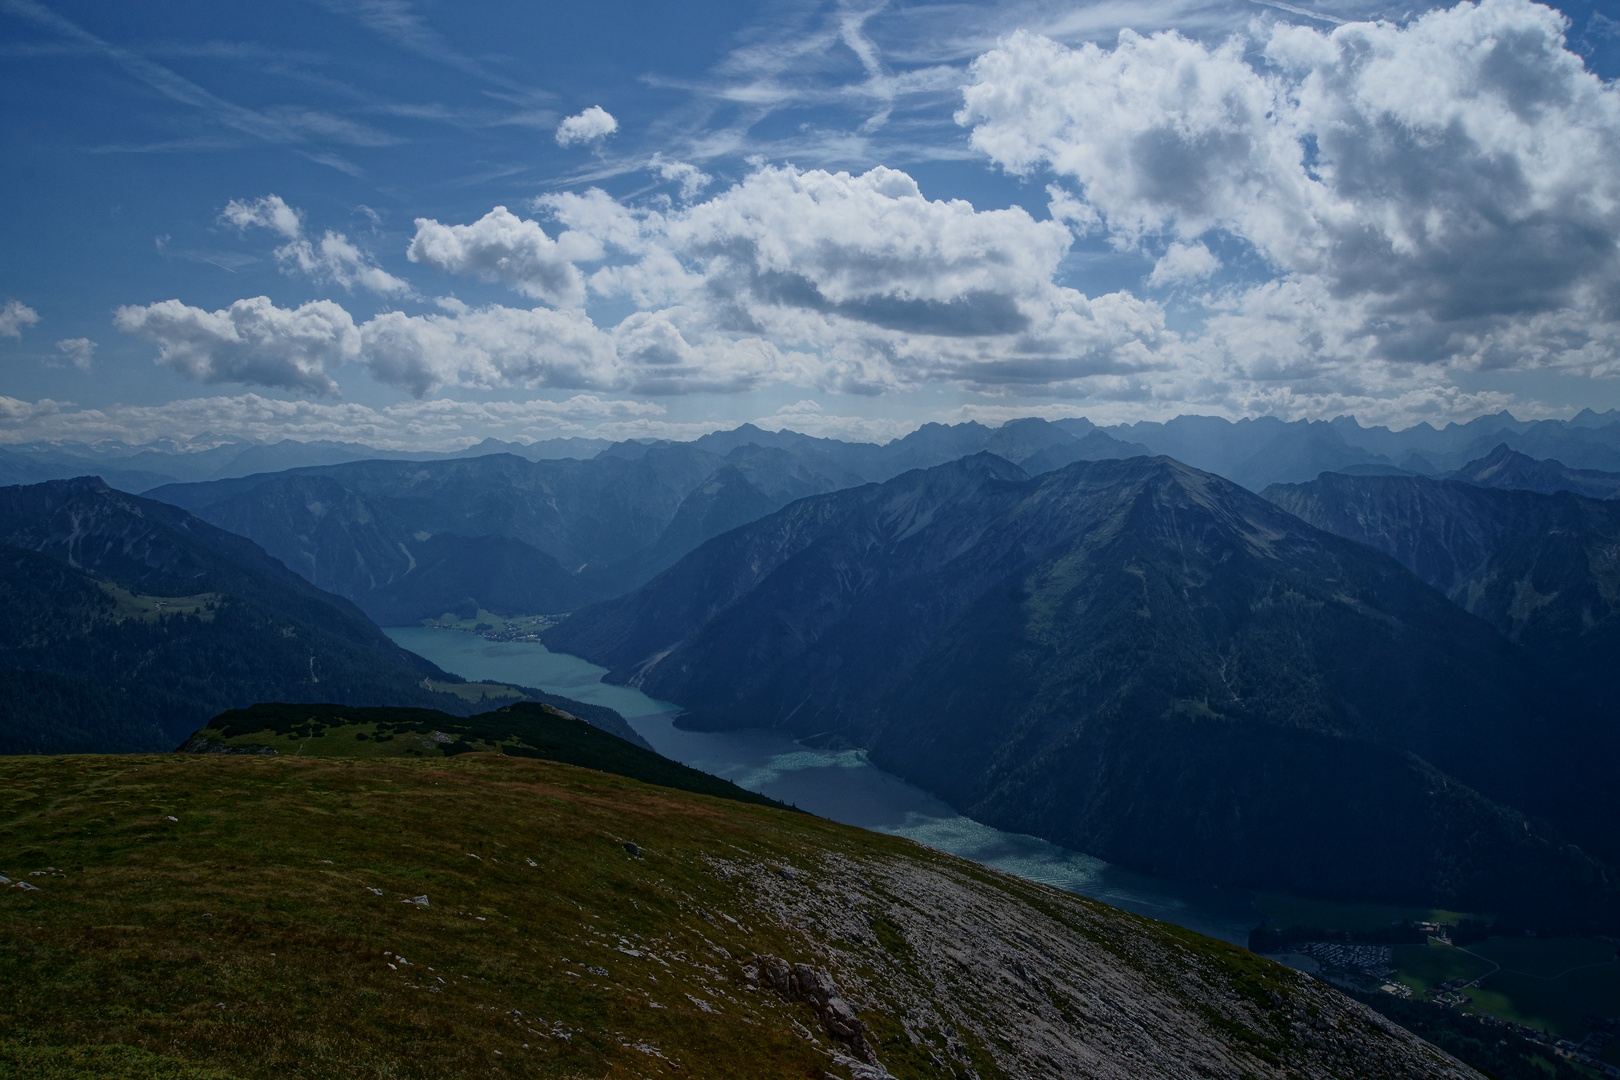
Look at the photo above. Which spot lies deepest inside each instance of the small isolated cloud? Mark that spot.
(690, 179)
(268, 212)
(14, 316)
(589, 126)
(252, 341)
(1183, 264)
(77, 351)
(333, 258)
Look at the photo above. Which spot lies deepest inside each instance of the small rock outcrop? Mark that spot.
(801, 982)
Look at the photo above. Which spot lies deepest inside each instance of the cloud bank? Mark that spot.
(1443, 193)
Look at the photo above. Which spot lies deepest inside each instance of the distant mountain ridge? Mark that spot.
(1142, 661)
(1544, 569)
(1512, 471)
(1253, 452)
(125, 622)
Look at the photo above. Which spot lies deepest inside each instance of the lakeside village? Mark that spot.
(1371, 967)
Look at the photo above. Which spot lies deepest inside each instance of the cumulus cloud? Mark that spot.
(853, 283)
(500, 246)
(14, 316)
(77, 351)
(1429, 192)
(1182, 264)
(333, 259)
(252, 341)
(688, 178)
(589, 126)
(489, 347)
(266, 212)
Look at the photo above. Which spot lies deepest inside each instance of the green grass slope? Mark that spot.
(243, 916)
(524, 729)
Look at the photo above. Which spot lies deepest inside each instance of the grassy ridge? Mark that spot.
(212, 916)
(524, 729)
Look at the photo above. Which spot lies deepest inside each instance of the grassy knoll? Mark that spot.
(213, 916)
(524, 729)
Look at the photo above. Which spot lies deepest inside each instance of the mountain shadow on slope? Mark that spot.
(1148, 663)
(126, 622)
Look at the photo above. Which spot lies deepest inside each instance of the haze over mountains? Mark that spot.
(1253, 452)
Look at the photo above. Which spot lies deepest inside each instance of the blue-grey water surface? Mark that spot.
(838, 784)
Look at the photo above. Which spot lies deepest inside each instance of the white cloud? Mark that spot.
(488, 347)
(252, 341)
(690, 179)
(592, 124)
(500, 246)
(267, 212)
(860, 283)
(77, 351)
(1440, 193)
(14, 316)
(1183, 264)
(334, 258)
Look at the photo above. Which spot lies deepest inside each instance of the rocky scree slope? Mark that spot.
(487, 916)
(1144, 662)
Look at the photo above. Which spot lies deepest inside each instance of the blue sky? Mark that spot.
(279, 220)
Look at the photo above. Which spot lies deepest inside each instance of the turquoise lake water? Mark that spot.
(841, 785)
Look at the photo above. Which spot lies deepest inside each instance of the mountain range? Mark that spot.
(1542, 568)
(126, 622)
(1253, 452)
(1146, 662)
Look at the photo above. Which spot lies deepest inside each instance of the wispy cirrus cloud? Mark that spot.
(297, 127)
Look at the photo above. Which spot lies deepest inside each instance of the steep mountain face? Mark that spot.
(1513, 471)
(522, 918)
(1543, 569)
(1141, 661)
(126, 622)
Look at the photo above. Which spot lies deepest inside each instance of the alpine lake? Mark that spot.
(1554, 986)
